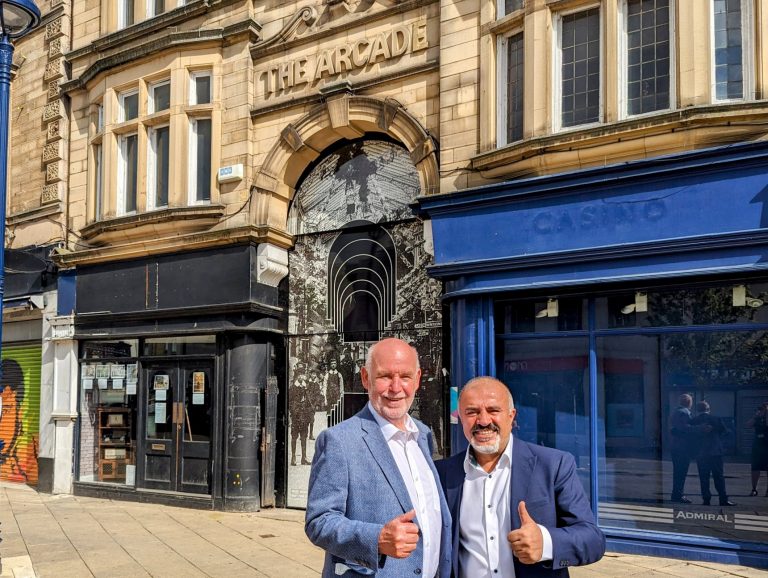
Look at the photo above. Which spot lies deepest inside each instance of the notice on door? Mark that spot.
(198, 387)
(160, 412)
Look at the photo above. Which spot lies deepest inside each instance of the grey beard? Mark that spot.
(486, 449)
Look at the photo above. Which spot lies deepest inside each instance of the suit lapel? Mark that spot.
(523, 464)
(378, 447)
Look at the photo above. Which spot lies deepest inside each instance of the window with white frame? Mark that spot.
(578, 67)
(647, 53)
(129, 105)
(511, 85)
(159, 96)
(504, 7)
(158, 166)
(155, 7)
(127, 173)
(200, 161)
(200, 87)
(98, 183)
(126, 13)
(731, 40)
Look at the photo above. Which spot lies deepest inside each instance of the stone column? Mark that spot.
(64, 414)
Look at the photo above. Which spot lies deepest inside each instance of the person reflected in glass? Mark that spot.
(709, 456)
(759, 423)
(683, 436)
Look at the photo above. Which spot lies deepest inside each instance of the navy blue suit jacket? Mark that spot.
(546, 480)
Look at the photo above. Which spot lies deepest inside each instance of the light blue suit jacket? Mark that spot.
(354, 489)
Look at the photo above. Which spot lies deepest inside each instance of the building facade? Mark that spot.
(600, 235)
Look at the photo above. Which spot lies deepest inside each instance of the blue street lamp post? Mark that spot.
(17, 17)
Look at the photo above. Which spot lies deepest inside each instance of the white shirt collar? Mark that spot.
(472, 467)
(389, 429)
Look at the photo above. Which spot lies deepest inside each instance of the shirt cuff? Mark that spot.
(546, 551)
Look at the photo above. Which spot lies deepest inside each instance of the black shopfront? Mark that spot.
(180, 357)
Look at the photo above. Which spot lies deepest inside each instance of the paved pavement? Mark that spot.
(69, 536)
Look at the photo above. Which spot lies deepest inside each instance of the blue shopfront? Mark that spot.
(600, 297)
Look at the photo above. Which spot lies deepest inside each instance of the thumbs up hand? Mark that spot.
(526, 542)
(399, 536)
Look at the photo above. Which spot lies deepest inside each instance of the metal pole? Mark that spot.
(6, 58)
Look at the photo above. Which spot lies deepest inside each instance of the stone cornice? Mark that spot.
(731, 118)
(175, 243)
(200, 215)
(167, 39)
(279, 42)
(34, 214)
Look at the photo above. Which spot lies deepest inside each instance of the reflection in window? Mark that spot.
(160, 96)
(200, 88)
(580, 68)
(648, 56)
(129, 106)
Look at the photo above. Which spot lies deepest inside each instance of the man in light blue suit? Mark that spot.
(518, 509)
(375, 505)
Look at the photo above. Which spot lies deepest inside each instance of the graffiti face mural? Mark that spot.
(19, 414)
(357, 274)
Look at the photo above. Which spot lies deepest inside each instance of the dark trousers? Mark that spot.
(712, 465)
(681, 459)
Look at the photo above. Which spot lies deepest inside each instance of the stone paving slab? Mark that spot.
(78, 537)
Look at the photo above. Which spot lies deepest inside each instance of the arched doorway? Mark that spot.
(357, 274)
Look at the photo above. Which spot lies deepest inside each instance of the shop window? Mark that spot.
(108, 390)
(193, 345)
(541, 315)
(578, 67)
(511, 75)
(127, 169)
(200, 87)
(731, 45)
(646, 87)
(200, 161)
(158, 164)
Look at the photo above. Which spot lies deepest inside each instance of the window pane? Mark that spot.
(203, 160)
(159, 6)
(728, 49)
(192, 345)
(512, 5)
(161, 148)
(202, 92)
(130, 158)
(129, 12)
(130, 106)
(98, 192)
(161, 96)
(580, 62)
(648, 56)
(652, 463)
(548, 379)
(515, 69)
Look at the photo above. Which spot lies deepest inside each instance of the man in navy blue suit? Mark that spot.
(513, 504)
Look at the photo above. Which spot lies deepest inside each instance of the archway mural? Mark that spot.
(357, 274)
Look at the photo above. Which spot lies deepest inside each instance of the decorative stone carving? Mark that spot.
(54, 90)
(52, 151)
(52, 173)
(52, 111)
(338, 110)
(54, 129)
(53, 29)
(291, 136)
(51, 193)
(55, 47)
(271, 264)
(54, 69)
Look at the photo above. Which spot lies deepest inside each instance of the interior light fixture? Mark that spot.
(639, 306)
(754, 302)
(739, 296)
(551, 310)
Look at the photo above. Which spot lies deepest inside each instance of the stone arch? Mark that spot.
(339, 116)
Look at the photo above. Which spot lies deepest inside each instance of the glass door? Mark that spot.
(175, 449)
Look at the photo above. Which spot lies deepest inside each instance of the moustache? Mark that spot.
(485, 428)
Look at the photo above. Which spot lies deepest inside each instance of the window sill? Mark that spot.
(179, 220)
(707, 126)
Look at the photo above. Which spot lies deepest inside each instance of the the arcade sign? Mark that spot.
(397, 42)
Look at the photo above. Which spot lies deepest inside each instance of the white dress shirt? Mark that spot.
(485, 520)
(420, 483)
